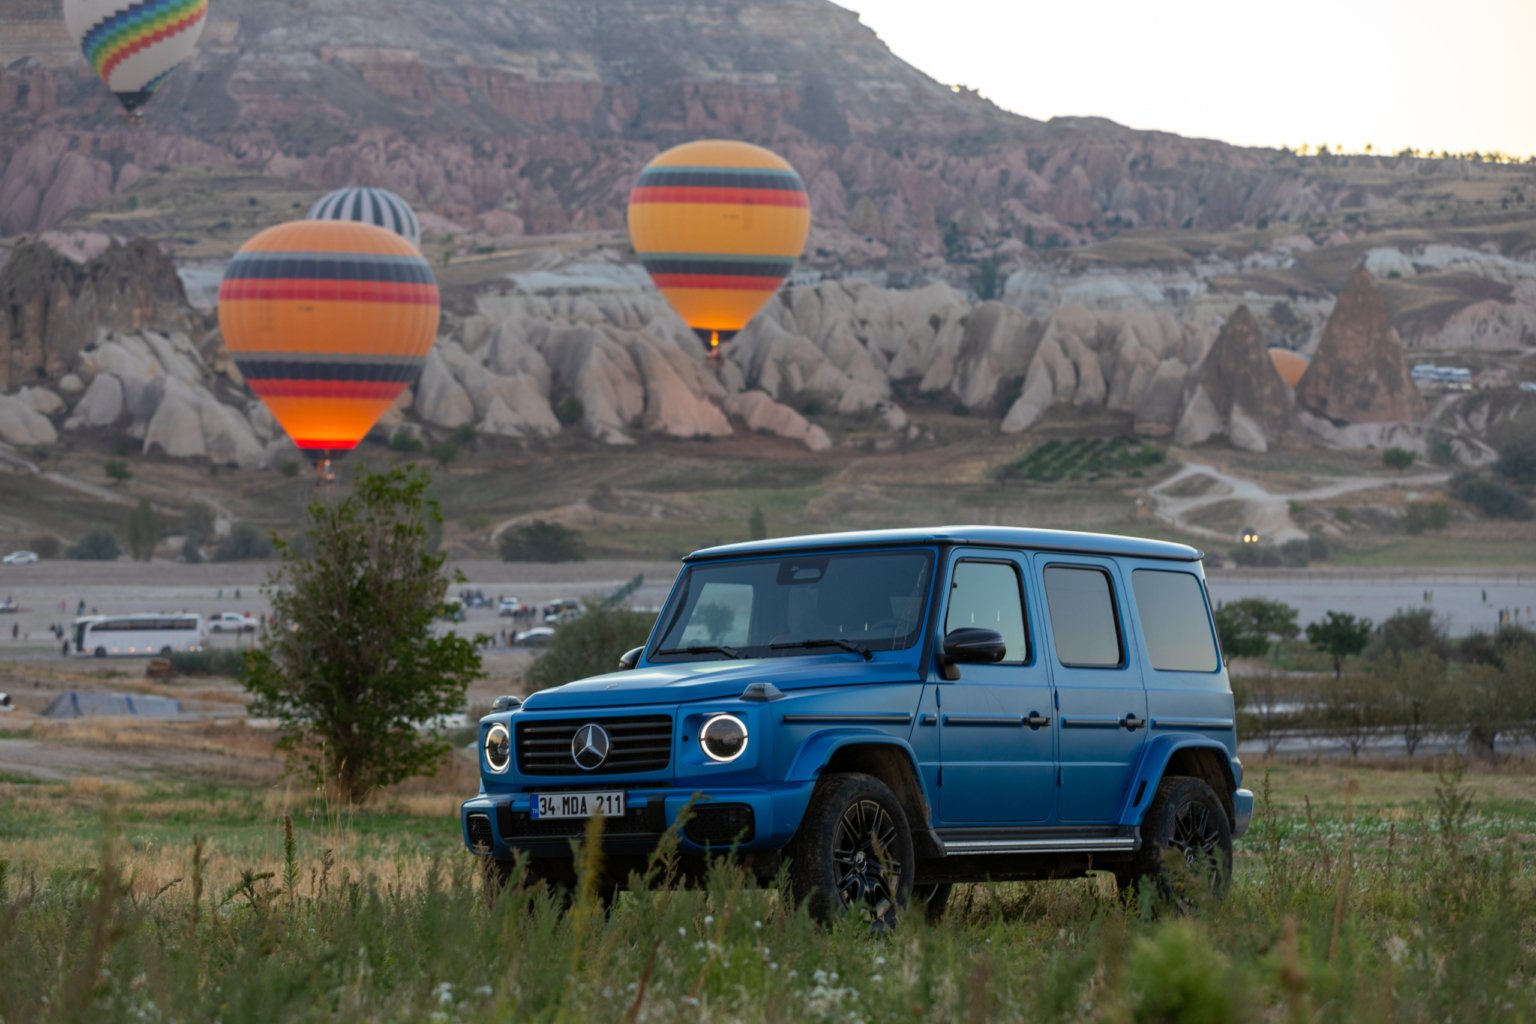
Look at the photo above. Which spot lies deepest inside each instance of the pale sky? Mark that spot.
(1458, 75)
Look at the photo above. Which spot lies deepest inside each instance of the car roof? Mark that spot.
(975, 536)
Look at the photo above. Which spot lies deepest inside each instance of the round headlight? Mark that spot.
(498, 748)
(724, 738)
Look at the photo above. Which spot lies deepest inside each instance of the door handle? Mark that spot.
(1131, 723)
(1035, 720)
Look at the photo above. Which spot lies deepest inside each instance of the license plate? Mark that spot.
(578, 805)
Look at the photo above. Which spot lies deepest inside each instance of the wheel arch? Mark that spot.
(886, 758)
(1195, 756)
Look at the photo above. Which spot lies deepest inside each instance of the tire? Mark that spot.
(1186, 847)
(100, 652)
(853, 852)
(165, 652)
(933, 899)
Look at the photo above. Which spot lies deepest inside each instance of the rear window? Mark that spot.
(1083, 620)
(1174, 621)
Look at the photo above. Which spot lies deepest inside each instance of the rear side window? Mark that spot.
(986, 595)
(1174, 621)
(1083, 621)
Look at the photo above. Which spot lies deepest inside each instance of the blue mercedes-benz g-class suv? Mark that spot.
(894, 711)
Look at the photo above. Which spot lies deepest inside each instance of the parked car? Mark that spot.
(19, 558)
(231, 622)
(538, 636)
(511, 607)
(893, 712)
(8, 606)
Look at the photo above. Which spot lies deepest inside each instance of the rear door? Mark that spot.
(1100, 700)
(995, 721)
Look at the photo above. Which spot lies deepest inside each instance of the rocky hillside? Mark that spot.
(516, 117)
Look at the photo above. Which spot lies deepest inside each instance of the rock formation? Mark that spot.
(1236, 393)
(1357, 374)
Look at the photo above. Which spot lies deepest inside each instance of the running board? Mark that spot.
(961, 845)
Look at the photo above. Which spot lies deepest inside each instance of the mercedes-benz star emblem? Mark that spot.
(589, 747)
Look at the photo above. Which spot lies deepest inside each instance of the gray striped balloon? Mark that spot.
(375, 206)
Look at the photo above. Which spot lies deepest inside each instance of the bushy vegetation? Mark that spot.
(213, 661)
(143, 531)
(98, 545)
(244, 543)
(589, 645)
(1296, 553)
(1346, 906)
(1490, 497)
(541, 541)
(1083, 459)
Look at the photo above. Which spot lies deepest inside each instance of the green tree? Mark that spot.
(1339, 635)
(1397, 458)
(117, 470)
(245, 543)
(97, 545)
(1426, 515)
(570, 411)
(589, 645)
(541, 541)
(143, 531)
(1409, 631)
(757, 524)
(1517, 461)
(1414, 681)
(356, 670)
(198, 523)
(1250, 628)
(1489, 497)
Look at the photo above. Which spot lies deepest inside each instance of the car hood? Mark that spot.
(712, 680)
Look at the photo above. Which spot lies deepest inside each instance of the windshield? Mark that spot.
(789, 605)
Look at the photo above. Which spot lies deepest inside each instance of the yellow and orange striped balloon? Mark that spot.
(719, 225)
(329, 321)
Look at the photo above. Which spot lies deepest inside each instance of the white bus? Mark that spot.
(150, 633)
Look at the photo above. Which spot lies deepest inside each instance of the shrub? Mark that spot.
(1296, 552)
(403, 440)
(117, 470)
(1426, 515)
(1489, 497)
(570, 411)
(143, 531)
(589, 645)
(541, 541)
(757, 524)
(99, 545)
(444, 452)
(1517, 461)
(1397, 458)
(198, 523)
(1412, 630)
(1256, 555)
(288, 467)
(47, 546)
(190, 552)
(244, 543)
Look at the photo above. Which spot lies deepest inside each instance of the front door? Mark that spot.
(1101, 702)
(996, 733)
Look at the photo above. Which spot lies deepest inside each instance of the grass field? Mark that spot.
(1361, 894)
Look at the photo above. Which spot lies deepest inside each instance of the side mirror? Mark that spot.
(630, 658)
(970, 644)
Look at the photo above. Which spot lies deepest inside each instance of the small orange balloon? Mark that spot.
(329, 322)
(1289, 364)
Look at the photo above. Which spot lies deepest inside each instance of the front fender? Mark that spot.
(820, 747)
(1154, 763)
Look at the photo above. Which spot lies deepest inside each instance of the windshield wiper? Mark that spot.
(729, 652)
(847, 645)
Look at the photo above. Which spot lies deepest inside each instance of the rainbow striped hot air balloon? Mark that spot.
(135, 44)
(329, 322)
(719, 225)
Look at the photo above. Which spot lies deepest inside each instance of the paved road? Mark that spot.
(1465, 602)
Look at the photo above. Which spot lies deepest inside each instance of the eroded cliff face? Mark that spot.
(546, 109)
(1358, 374)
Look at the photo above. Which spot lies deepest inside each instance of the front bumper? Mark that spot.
(1242, 811)
(775, 814)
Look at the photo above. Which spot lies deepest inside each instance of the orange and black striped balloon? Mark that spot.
(329, 321)
(719, 225)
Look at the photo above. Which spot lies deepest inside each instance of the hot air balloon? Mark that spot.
(718, 225)
(375, 206)
(1289, 364)
(135, 44)
(329, 321)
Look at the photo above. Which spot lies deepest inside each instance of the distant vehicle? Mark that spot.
(9, 606)
(511, 606)
(232, 622)
(1528, 385)
(474, 599)
(538, 636)
(19, 558)
(560, 618)
(5, 702)
(153, 633)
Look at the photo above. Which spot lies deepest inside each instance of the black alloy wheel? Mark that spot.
(1186, 846)
(853, 853)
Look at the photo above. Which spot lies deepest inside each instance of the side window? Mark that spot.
(1174, 621)
(987, 595)
(723, 615)
(1083, 621)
